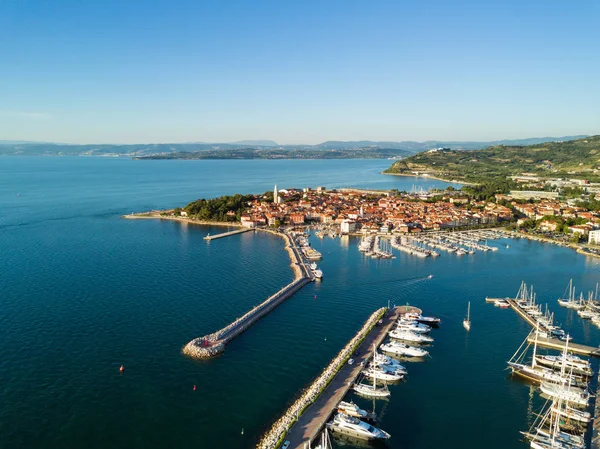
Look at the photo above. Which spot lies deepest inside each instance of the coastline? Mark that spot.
(156, 215)
(431, 177)
(574, 246)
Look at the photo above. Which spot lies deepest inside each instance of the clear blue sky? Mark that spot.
(297, 72)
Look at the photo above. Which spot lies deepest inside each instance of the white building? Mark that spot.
(348, 226)
(594, 236)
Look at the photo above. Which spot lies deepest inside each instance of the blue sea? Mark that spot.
(84, 291)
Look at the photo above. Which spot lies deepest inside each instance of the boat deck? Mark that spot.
(315, 417)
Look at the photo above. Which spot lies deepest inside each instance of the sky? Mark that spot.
(132, 71)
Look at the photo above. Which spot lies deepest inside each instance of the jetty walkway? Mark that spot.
(227, 234)
(551, 343)
(306, 418)
(213, 344)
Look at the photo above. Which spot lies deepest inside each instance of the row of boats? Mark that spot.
(424, 245)
(354, 422)
(563, 379)
(376, 247)
(310, 254)
(588, 309)
(525, 301)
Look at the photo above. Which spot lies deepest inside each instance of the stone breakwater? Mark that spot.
(274, 437)
(213, 344)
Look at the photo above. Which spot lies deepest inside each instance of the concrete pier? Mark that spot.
(227, 234)
(552, 343)
(213, 344)
(303, 427)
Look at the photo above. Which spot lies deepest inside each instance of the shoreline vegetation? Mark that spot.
(576, 158)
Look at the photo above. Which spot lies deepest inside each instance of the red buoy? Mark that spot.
(194, 387)
(122, 369)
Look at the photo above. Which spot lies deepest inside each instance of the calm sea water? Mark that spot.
(83, 291)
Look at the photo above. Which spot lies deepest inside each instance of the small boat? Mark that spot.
(385, 360)
(502, 304)
(403, 350)
(578, 396)
(372, 391)
(410, 336)
(429, 320)
(382, 374)
(467, 320)
(351, 409)
(413, 326)
(572, 363)
(354, 427)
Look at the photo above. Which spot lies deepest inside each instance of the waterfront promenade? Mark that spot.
(314, 418)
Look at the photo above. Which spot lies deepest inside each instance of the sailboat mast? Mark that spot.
(534, 346)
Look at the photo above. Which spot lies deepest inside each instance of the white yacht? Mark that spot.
(572, 413)
(385, 360)
(403, 350)
(372, 391)
(354, 427)
(572, 363)
(351, 409)
(383, 374)
(413, 326)
(578, 396)
(429, 320)
(410, 336)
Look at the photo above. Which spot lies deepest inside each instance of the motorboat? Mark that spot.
(382, 374)
(410, 336)
(572, 363)
(575, 395)
(413, 326)
(354, 427)
(351, 409)
(429, 320)
(402, 349)
(385, 360)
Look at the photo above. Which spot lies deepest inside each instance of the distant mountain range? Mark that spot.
(252, 149)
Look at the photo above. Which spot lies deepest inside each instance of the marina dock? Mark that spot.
(316, 414)
(213, 344)
(552, 343)
(227, 234)
(559, 345)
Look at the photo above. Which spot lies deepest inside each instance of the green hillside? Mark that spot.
(573, 159)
